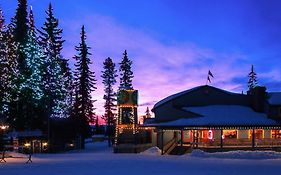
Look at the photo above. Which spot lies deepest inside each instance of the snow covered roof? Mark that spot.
(274, 98)
(172, 97)
(34, 133)
(222, 115)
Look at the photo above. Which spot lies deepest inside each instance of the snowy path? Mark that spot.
(97, 159)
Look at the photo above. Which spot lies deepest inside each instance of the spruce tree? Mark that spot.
(19, 107)
(11, 97)
(84, 85)
(31, 23)
(57, 78)
(21, 22)
(147, 113)
(51, 32)
(3, 67)
(109, 79)
(252, 82)
(33, 83)
(126, 74)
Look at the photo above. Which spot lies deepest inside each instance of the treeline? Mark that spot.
(37, 86)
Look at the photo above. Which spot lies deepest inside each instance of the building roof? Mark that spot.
(274, 98)
(222, 115)
(174, 96)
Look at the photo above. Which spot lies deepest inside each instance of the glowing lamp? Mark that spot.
(3, 127)
(27, 144)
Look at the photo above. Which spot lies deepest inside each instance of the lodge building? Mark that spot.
(207, 117)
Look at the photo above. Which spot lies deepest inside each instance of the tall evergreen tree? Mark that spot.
(20, 34)
(84, 85)
(21, 22)
(109, 79)
(11, 97)
(126, 82)
(252, 82)
(31, 23)
(126, 73)
(33, 83)
(51, 33)
(147, 113)
(57, 76)
(3, 66)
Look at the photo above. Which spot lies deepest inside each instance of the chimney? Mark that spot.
(258, 97)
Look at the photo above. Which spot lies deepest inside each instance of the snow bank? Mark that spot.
(15, 155)
(152, 151)
(238, 154)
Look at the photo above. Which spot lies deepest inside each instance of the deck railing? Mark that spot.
(266, 142)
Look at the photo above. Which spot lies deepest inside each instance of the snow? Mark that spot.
(274, 98)
(237, 154)
(15, 155)
(99, 159)
(152, 151)
(227, 115)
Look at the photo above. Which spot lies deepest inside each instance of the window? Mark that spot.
(258, 133)
(230, 134)
(276, 134)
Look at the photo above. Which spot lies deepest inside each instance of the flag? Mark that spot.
(208, 79)
(210, 74)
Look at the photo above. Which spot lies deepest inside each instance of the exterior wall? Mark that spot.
(243, 134)
(217, 134)
(154, 138)
(267, 134)
(187, 136)
(168, 135)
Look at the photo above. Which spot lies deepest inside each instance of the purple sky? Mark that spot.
(173, 43)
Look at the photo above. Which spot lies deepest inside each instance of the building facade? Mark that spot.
(210, 118)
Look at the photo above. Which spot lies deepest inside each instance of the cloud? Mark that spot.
(160, 69)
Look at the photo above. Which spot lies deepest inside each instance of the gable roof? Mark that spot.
(174, 96)
(222, 115)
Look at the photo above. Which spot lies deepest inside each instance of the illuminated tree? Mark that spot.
(3, 67)
(84, 85)
(109, 79)
(57, 76)
(19, 27)
(11, 97)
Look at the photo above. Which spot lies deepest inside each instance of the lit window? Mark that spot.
(230, 134)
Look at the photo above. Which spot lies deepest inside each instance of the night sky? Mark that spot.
(173, 43)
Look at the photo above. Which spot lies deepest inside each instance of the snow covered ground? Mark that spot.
(97, 159)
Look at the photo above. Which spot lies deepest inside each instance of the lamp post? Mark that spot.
(2, 130)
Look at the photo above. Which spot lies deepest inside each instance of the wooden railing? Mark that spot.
(268, 142)
(170, 146)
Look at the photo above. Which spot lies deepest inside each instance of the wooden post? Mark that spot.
(181, 137)
(253, 138)
(221, 137)
(162, 142)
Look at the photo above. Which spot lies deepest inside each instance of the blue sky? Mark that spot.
(173, 43)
